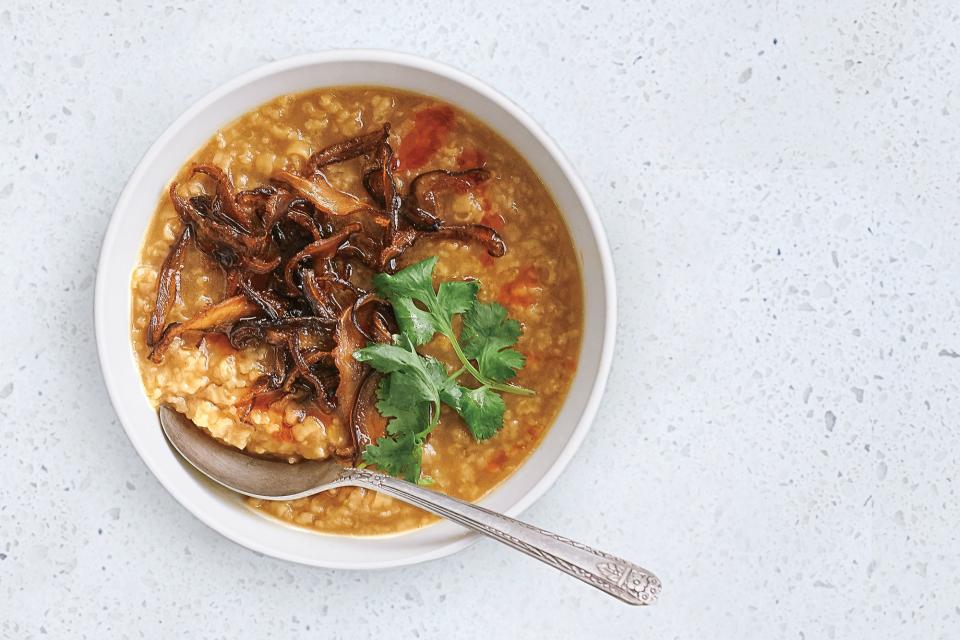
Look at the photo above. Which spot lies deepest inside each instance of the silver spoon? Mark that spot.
(276, 480)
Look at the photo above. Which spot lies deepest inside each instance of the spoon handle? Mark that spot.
(612, 575)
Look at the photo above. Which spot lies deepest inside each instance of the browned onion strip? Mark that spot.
(210, 207)
(258, 266)
(252, 331)
(425, 186)
(231, 283)
(306, 222)
(383, 331)
(323, 248)
(479, 233)
(333, 279)
(263, 394)
(255, 195)
(225, 193)
(402, 241)
(320, 301)
(425, 224)
(216, 317)
(267, 302)
(359, 304)
(168, 286)
(318, 355)
(388, 189)
(377, 323)
(466, 233)
(348, 149)
(351, 249)
(322, 194)
(302, 368)
(422, 220)
(211, 233)
(372, 184)
(276, 207)
(259, 400)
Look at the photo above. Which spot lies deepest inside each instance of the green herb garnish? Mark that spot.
(415, 386)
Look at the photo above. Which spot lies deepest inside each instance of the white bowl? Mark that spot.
(225, 512)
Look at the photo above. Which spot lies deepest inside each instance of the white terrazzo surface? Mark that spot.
(780, 437)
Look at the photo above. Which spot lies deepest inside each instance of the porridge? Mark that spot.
(364, 273)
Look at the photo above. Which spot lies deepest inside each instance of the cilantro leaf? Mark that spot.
(447, 388)
(416, 281)
(414, 284)
(487, 334)
(413, 378)
(407, 412)
(402, 289)
(482, 409)
(400, 456)
(456, 297)
(488, 322)
(452, 394)
(387, 358)
(414, 322)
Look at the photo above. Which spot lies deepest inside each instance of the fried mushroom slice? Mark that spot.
(347, 149)
(168, 286)
(352, 372)
(214, 318)
(366, 423)
(321, 194)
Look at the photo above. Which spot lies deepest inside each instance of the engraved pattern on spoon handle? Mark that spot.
(615, 576)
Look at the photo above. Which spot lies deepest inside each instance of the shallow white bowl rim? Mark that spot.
(191, 494)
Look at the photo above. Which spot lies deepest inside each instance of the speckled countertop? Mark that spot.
(780, 437)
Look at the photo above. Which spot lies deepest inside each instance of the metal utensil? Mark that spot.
(277, 480)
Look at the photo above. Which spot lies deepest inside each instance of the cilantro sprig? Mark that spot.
(487, 332)
(415, 387)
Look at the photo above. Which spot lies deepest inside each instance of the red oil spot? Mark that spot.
(217, 344)
(533, 361)
(471, 158)
(263, 401)
(496, 461)
(494, 220)
(430, 129)
(486, 205)
(523, 291)
(313, 411)
(285, 434)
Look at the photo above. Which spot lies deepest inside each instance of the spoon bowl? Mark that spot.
(278, 480)
(246, 474)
